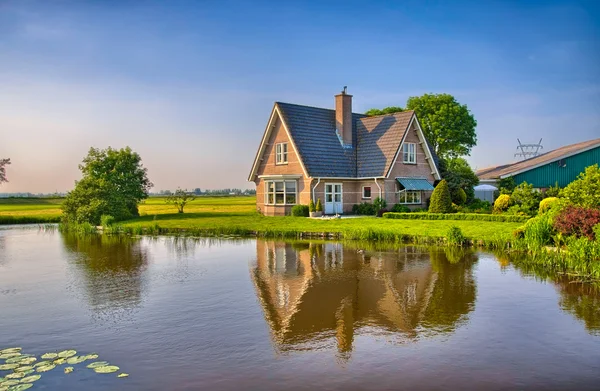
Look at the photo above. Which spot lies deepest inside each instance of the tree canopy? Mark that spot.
(113, 183)
(3, 164)
(448, 125)
(459, 175)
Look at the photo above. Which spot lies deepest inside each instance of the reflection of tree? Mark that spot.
(326, 291)
(580, 299)
(110, 271)
(583, 301)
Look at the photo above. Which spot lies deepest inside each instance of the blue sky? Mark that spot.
(190, 85)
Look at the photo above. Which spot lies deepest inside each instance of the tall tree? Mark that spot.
(459, 175)
(113, 183)
(448, 126)
(3, 164)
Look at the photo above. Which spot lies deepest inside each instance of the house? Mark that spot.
(560, 166)
(401, 292)
(342, 158)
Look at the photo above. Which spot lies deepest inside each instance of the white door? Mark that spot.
(333, 198)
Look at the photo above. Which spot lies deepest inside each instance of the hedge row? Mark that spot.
(456, 216)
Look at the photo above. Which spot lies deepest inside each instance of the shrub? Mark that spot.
(380, 212)
(300, 210)
(365, 209)
(507, 185)
(319, 207)
(441, 201)
(455, 236)
(518, 210)
(379, 203)
(526, 197)
(577, 221)
(502, 203)
(538, 231)
(399, 208)
(547, 203)
(107, 221)
(459, 197)
(311, 206)
(585, 190)
(597, 232)
(552, 191)
(455, 216)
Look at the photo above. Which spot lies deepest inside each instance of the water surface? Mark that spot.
(183, 314)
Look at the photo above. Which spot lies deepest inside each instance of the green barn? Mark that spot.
(561, 166)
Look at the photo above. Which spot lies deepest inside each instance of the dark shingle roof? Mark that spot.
(525, 165)
(378, 141)
(313, 131)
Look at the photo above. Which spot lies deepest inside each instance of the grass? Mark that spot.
(236, 215)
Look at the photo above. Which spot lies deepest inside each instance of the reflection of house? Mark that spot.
(312, 294)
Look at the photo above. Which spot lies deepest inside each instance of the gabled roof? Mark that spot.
(378, 141)
(508, 170)
(313, 132)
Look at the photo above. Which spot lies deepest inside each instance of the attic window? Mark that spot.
(409, 153)
(281, 153)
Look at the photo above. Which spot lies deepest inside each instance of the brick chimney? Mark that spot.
(343, 117)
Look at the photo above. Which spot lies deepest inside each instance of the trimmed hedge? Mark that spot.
(456, 216)
(300, 211)
(441, 201)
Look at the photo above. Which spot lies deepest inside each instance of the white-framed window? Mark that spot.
(280, 192)
(366, 192)
(409, 197)
(281, 153)
(409, 153)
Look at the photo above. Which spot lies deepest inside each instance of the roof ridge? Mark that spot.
(313, 107)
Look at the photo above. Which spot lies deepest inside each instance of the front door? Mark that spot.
(333, 198)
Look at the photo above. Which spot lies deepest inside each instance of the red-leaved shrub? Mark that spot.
(577, 221)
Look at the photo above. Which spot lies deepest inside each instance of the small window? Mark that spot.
(281, 153)
(366, 192)
(409, 153)
(409, 197)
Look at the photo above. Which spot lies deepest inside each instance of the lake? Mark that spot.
(231, 314)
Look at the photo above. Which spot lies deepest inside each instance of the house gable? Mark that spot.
(265, 160)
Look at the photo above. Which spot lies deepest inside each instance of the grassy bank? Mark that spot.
(30, 210)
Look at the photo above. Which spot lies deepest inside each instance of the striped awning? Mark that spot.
(415, 184)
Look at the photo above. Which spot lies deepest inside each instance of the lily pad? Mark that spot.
(27, 372)
(31, 379)
(106, 369)
(21, 387)
(76, 360)
(27, 361)
(91, 356)
(42, 363)
(68, 369)
(6, 356)
(14, 360)
(59, 361)
(97, 364)
(46, 368)
(10, 383)
(7, 367)
(123, 375)
(15, 375)
(23, 368)
(67, 353)
(48, 356)
(10, 350)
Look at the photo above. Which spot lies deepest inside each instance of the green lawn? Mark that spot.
(230, 214)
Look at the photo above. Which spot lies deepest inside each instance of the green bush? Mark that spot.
(441, 201)
(502, 203)
(311, 206)
(460, 197)
(552, 191)
(455, 237)
(585, 190)
(319, 206)
(107, 221)
(538, 231)
(526, 197)
(364, 209)
(399, 208)
(300, 211)
(455, 216)
(597, 232)
(547, 203)
(379, 204)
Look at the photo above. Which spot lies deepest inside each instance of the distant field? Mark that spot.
(231, 214)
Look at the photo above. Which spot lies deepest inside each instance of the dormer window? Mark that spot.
(281, 153)
(409, 153)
